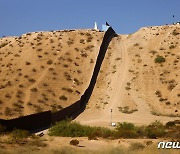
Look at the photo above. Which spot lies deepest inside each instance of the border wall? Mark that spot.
(39, 121)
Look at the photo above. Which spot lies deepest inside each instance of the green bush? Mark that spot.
(155, 129)
(17, 135)
(65, 128)
(123, 130)
(74, 129)
(74, 142)
(159, 59)
(127, 130)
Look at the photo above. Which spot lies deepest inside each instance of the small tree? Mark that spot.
(159, 59)
(74, 142)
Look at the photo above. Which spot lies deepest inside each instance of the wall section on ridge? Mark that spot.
(39, 121)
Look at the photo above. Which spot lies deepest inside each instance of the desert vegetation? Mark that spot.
(123, 130)
(56, 63)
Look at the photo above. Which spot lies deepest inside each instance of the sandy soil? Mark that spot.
(129, 79)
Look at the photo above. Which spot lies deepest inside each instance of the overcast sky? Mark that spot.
(125, 16)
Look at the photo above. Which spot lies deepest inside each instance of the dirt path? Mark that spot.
(119, 79)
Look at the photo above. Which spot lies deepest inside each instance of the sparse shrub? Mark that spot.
(68, 77)
(91, 61)
(32, 80)
(162, 48)
(153, 52)
(65, 65)
(34, 70)
(29, 104)
(79, 71)
(39, 56)
(28, 63)
(68, 89)
(127, 130)
(70, 41)
(168, 103)
(175, 32)
(42, 66)
(3, 45)
(77, 92)
(170, 124)
(159, 59)
(89, 47)
(155, 129)
(158, 93)
(76, 49)
(172, 46)
(81, 33)
(136, 146)
(118, 58)
(39, 43)
(8, 111)
(37, 142)
(45, 84)
(89, 39)
(7, 95)
(126, 110)
(62, 97)
(34, 89)
(49, 62)
(17, 135)
(74, 142)
(39, 49)
(1, 102)
(136, 44)
(69, 60)
(46, 53)
(77, 81)
(19, 94)
(26, 76)
(51, 69)
(81, 41)
(127, 88)
(172, 84)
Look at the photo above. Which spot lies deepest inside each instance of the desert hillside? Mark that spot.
(139, 79)
(43, 71)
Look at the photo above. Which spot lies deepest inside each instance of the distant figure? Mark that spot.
(107, 24)
(105, 27)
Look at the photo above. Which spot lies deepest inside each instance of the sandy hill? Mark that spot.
(139, 79)
(43, 71)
